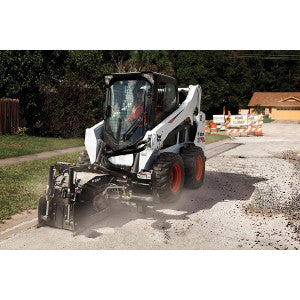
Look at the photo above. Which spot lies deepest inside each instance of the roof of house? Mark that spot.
(285, 99)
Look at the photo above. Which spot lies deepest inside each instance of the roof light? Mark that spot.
(149, 77)
(107, 79)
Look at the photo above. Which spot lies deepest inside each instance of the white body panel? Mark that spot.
(92, 140)
(123, 160)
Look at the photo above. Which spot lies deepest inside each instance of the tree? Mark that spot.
(74, 96)
(150, 60)
(21, 73)
(62, 92)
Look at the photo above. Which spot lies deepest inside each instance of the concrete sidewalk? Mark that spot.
(41, 155)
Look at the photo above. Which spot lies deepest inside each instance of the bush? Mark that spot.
(71, 107)
(258, 109)
(21, 131)
(268, 120)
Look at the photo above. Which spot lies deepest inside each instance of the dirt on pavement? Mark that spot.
(249, 200)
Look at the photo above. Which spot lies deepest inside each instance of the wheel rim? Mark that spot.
(175, 179)
(199, 167)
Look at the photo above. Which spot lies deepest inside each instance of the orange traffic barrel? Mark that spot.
(213, 128)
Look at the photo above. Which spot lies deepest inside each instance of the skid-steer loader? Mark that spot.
(148, 147)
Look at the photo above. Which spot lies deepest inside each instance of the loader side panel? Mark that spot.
(93, 140)
(200, 133)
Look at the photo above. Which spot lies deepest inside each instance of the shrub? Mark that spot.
(268, 120)
(258, 109)
(71, 107)
(21, 131)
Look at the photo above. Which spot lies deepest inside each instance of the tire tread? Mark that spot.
(189, 155)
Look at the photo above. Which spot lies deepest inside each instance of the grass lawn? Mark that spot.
(268, 120)
(21, 185)
(14, 145)
(212, 138)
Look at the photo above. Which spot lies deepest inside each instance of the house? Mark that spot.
(280, 106)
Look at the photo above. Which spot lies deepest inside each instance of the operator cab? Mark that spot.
(136, 103)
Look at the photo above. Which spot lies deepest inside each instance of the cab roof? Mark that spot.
(141, 75)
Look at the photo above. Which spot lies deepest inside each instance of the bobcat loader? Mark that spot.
(148, 147)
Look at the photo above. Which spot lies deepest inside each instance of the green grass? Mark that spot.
(14, 145)
(268, 120)
(21, 185)
(212, 138)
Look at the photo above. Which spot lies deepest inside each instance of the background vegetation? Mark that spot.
(62, 92)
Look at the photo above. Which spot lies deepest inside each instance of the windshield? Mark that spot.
(127, 102)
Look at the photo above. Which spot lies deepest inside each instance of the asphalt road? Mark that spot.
(239, 206)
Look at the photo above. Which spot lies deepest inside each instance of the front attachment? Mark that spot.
(71, 202)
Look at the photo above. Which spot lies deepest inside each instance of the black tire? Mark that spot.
(169, 173)
(194, 166)
(41, 211)
(83, 158)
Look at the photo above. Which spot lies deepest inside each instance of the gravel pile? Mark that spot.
(290, 155)
(278, 180)
(277, 190)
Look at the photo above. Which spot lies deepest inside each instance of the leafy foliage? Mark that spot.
(21, 131)
(62, 92)
(230, 77)
(258, 109)
(150, 60)
(74, 96)
(266, 119)
(20, 75)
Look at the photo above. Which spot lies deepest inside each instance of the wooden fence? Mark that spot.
(9, 116)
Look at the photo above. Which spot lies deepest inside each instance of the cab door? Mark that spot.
(167, 101)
